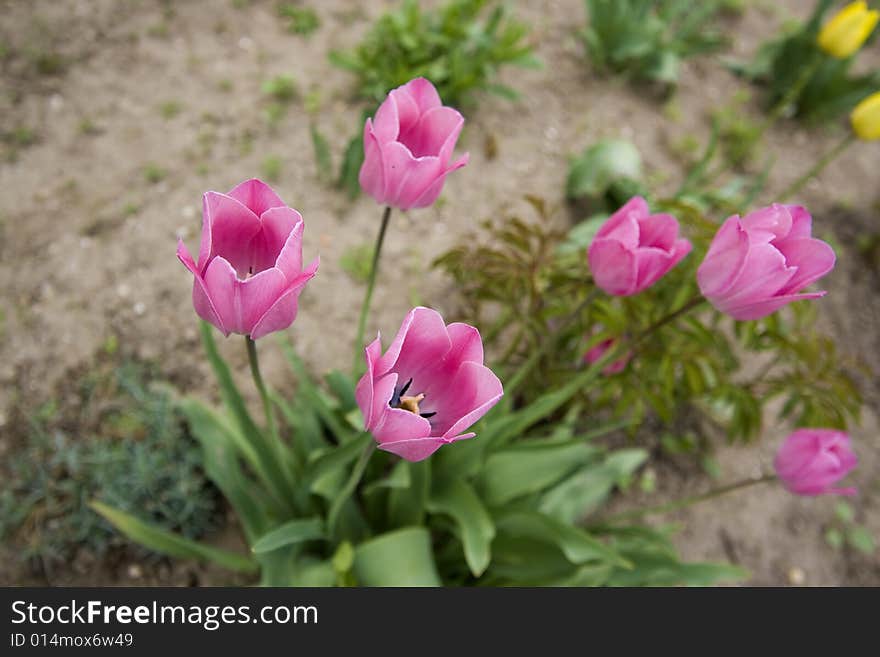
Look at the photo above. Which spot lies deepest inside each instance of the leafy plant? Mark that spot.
(802, 80)
(647, 39)
(300, 20)
(136, 456)
(845, 531)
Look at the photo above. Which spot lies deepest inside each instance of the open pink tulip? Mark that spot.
(759, 263)
(428, 388)
(249, 275)
(811, 461)
(408, 146)
(599, 350)
(634, 249)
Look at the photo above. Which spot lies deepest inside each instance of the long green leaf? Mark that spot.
(161, 540)
(295, 531)
(399, 558)
(476, 529)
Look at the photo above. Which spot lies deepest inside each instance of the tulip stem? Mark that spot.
(351, 484)
(817, 168)
(686, 501)
(261, 387)
(368, 295)
(792, 93)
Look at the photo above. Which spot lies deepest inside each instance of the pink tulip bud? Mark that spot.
(811, 461)
(249, 274)
(759, 263)
(428, 388)
(408, 146)
(599, 350)
(634, 249)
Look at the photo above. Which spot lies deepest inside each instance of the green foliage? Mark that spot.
(300, 20)
(846, 532)
(647, 39)
(281, 88)
(271, 168)
(804, 81)
(136, 457)
(460, 46)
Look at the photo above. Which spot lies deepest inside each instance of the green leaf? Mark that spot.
(336, 458)
(406, 506)
(576, 544)
(475, 526)
(323, 160)
(399, 558)
(600, 165)
(295, 531)
(861, 539)
(845, 512)
(165, 542)
(834, 538)
(586, 489)
(522, 470)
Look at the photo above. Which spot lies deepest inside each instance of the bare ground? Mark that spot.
(91, 210)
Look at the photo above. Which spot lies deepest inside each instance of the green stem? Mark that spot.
(261, 386)
(685, 502)
(687, 307)
(368, 295)
(817, 168)
(791, 96)
(350, 485)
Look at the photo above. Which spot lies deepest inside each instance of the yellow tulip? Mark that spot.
(865, 118)
(847, 31)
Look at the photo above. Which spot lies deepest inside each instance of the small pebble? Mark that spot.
(246, 43)
(56, 102)
(123, 290)
(796, 576)
(140, 308)
(135, 571)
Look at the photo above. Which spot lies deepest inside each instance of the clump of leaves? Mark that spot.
(802, 80)
(121, 442)
(153, 173)
(456, 46)
(846, 531)
(300, 20)
(281, 88)
(647, 39)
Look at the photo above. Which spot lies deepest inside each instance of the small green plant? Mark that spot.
(128, 448)
(355, 262)
(300, 20)
(271, 168)
(802, 80)
(647, 39)
(281, 89)
(153, 173)
(454, 46)
(845, 531)
(170, 109)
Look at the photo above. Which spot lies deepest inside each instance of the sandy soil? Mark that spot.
(87, 241)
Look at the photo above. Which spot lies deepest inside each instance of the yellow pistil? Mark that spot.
(411, 404)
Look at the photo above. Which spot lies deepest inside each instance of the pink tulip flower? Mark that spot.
(811, 461)
(428, 387)
(249, 274)
(759, 263)
(408, 146)
(599, 350)
(634, 249)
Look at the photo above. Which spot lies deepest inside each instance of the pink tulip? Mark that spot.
(408, 147)
(599, 350)
(634, 249)
(811, 461)
(428, 388)
(250, 273)
(759, 263)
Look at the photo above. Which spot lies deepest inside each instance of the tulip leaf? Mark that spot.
(522, 470)
(295, 531)
(576, 544)
(406, 506)
(583, 491)
(476, 529)
(399, 558)
(652, 569)
(165, 542)
(336, 458)
(220, 453)
(602, 164)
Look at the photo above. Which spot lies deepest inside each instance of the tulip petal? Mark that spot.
(278, 225)
(801, 222)
(201, 300)
(623, 225)
(475, 390)
(417, 449)
(372, 176)
(423, 94)
(231, 229)
(761, 309)
(282, 312)
(765, 273)
(407, 177)
(397, 424)
(430, 195)
(289, 256)
(724, 261)
(386, 123)
(240, 304)
(364, 390)
(430, 134)
(421, 341)
(613, 266)
(256, 195)
(658, 230)
(766, 224)
(813, 259)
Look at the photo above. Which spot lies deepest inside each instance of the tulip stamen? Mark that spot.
(411, 404)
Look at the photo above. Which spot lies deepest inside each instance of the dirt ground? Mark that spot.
(91, 211)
